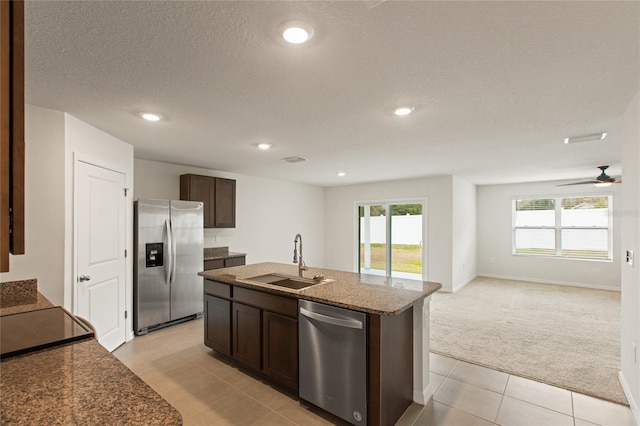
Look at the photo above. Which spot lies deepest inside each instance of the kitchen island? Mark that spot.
(256, 324)
(78, 383)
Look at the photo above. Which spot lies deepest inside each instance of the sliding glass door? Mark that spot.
(391, 239)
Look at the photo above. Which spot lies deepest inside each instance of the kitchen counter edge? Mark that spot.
(366, 293)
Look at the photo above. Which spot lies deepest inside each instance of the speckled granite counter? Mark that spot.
(21, 296)
(367, 293)
(79, 384)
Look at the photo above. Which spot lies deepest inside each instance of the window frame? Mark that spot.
(558, 228)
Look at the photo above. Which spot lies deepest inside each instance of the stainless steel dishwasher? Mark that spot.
(333, 360)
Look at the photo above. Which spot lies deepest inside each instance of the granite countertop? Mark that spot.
(21, 296)
(79, 383)
(367, 293)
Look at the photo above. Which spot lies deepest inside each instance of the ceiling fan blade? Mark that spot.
(587, 182)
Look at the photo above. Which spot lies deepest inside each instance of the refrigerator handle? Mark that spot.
(169, 256)
(174, 261)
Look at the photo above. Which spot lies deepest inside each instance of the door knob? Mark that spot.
(84, 278)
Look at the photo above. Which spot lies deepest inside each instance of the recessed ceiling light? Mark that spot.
(341, 174)
(403, 110)
(264, 146)
(296, 32)
(586, 138)
(150, 117)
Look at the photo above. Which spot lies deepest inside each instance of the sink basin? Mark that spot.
(288, 281)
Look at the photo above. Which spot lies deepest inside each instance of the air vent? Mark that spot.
(294, 159)
(586, 138)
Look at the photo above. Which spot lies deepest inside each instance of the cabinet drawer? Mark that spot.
(213, 264)
(269, 302)
(217, 289)
(234, 261)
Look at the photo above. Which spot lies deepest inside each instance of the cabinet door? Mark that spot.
(247, 329)
(217, 327)
(280, 349)
(200, 188)
(225, 203)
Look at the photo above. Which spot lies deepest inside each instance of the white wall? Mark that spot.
(464, 233)
(85, 142)
(52, 140)
(269, 213)
(44, 204)
(341, 221)
(495, 239)
(630, 240)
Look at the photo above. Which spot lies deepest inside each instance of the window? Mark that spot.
(573, 227)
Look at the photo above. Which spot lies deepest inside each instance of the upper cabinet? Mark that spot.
(218, 196)
(12, 150)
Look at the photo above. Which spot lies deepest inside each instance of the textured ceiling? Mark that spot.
(496, 85)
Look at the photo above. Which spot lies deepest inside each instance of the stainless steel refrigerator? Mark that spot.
(168, 241)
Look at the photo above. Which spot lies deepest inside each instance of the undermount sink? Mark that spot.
(288, 281)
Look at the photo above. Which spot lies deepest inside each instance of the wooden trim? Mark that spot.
(5, 150)
(17, 128)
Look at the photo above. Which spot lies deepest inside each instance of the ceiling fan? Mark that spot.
(602, 180)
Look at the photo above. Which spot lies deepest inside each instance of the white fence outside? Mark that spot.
(405, 229)
(578, 239)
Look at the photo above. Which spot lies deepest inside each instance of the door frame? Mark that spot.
(425, 231)
(94, 161)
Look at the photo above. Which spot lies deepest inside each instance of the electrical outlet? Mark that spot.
(630, 257)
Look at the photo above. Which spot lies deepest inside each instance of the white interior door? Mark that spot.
(100, 251)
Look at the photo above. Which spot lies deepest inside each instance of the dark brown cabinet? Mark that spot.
(225, 203)
(280, 348)
(246, 326)
(217, 328)
(257, 329)
(224, 262)
(12, 141)
(218, 196)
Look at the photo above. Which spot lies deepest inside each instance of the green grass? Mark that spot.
(405, 257)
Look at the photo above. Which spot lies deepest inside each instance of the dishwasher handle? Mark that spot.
(349, 323)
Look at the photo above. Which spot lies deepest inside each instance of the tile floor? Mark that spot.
(207, 390)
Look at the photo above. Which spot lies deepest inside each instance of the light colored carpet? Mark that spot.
(563, 336)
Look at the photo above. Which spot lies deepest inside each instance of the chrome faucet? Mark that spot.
(298, 258)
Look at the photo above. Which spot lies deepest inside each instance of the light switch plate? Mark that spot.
(630, 257)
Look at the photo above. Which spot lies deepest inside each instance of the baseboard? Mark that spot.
(632, 402)
(537, 280)
(459, 286)
(423, 397)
